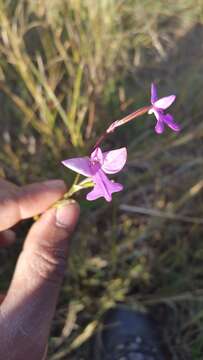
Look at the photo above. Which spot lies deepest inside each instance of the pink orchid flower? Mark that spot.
(158, 107)
(96, 167)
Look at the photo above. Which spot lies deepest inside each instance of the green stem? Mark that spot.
(84, 184)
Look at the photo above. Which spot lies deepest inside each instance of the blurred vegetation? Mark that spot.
(67, 69)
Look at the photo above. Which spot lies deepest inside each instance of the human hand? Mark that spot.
(27, 310)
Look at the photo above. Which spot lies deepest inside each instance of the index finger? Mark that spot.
(18, 203)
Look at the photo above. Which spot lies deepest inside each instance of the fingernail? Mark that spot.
(67, 214)
(53, 184)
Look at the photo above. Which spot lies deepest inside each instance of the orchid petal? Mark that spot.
(80, 165)
(159, 128)
(164, 102)
(97, 155)
(169, 120)
(154, 95)
(157, 115)
(103, 187)
(114, 160)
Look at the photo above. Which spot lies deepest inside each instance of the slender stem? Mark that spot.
(67, 194)
(101, 139)
(129, 117)
(120, 122)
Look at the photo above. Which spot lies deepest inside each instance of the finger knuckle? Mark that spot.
(49, 263)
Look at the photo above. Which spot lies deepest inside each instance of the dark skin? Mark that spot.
(27, 310)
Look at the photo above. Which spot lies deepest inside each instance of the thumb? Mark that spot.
(30, 303)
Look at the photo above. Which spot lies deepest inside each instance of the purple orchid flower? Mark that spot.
(96, 167)
(158, 107)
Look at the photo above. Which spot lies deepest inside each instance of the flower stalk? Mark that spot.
(76, 187)
(121, 122)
